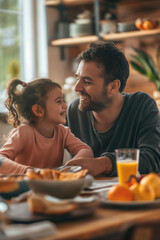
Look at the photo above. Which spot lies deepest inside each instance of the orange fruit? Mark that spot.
(139, 23)
(132, 180)
(148, 24)
(120, 192)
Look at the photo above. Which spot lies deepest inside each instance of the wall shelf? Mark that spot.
(74, 41)
(67, 2)
(133, 34)
(109, 37)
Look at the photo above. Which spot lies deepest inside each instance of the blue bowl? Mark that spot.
(23, 187)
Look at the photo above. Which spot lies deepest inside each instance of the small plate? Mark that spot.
(60, 189)
(20, 213)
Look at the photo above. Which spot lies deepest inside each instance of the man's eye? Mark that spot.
(59, 101)
(87, 82)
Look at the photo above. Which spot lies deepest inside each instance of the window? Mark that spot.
(23, 42)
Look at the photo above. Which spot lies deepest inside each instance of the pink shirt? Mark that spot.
(28, 147)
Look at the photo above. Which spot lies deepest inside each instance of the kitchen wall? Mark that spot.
(129, 11)
(60, 69)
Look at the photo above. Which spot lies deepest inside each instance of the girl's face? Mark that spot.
(55, 107)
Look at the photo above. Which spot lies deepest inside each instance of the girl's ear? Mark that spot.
(38, 110)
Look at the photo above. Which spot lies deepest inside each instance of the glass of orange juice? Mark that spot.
(127, 160)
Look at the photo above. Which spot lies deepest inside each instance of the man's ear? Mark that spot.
(38, 110)
(114, 87)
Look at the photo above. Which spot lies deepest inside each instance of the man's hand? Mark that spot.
(95, 166)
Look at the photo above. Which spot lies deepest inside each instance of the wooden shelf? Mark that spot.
(133, 34)
(109, 37)
(74, 41)
(67, 2)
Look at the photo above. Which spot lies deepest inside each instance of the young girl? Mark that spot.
(37, 111)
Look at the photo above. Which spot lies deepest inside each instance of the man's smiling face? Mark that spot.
(91, 87)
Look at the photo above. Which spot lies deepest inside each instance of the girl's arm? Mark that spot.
(76, 147)
(8, 166)
(9, 151)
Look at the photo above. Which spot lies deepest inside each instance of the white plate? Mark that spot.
(127, 205)
(60, 189)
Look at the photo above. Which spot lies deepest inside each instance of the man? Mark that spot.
(107, 119)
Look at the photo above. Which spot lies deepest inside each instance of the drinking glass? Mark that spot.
(127, 161)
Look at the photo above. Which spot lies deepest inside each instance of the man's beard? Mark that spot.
(98, 104)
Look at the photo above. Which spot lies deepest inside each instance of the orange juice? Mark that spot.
(126, 168)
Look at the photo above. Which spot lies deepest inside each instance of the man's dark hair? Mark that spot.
(113, 59)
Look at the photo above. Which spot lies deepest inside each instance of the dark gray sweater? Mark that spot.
(137, 126)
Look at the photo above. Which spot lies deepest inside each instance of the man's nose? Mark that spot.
(78, 86)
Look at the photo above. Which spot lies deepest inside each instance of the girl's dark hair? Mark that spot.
(113, 59)
(20, 101)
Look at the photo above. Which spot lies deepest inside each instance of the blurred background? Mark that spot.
(42, 38)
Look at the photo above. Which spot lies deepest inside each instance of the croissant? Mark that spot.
(39, 204)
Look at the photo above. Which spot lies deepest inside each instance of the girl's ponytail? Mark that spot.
(14, 90)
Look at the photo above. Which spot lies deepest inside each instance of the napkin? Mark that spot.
(103, 183)
(100, 185)
(29, 231)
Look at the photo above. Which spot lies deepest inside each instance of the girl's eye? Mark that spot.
(59, 101)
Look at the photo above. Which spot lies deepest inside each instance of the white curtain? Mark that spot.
(34, 30)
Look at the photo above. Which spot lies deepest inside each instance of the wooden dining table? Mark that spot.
(105, 222)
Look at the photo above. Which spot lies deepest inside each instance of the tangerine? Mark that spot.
(131, 180)
(120, 192)
(139, 23)
(148, 24)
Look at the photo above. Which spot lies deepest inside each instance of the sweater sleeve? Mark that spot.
(8, 166)
(75, 146)
(149, 139)
(9, 151)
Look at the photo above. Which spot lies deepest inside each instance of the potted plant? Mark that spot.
(144, 64)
